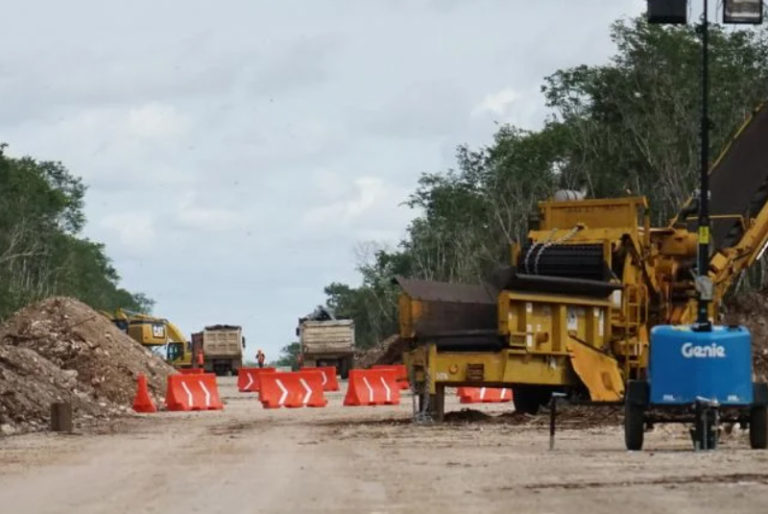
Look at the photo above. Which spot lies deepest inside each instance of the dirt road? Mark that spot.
(367, 459)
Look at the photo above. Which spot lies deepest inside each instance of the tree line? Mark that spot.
(42, 251)
(629, 126)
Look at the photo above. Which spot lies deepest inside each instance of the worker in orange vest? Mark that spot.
(260, 358)
(200, 359)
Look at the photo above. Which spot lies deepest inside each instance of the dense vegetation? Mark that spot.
(41, 251)
(629, 126)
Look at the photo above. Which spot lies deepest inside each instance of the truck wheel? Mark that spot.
(344, 366)
(634, 424)
(758, 427)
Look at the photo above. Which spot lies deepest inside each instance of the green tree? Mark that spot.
(633, 123)
(289, 356)
(41, 252)
(626, 127)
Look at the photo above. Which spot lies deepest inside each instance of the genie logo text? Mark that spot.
(710, 351)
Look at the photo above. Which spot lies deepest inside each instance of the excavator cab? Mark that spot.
(175, 353)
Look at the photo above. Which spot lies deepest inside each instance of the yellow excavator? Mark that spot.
(573, 310)
(155, 332)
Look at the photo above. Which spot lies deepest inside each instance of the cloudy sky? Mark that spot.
(238, 152)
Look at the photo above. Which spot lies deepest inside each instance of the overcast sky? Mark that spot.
(238, 152)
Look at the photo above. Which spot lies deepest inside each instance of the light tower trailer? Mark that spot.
(698, 377)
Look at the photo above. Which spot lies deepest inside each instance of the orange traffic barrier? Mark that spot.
(191, 371)
(292, 389)
(248, 379)
(401, 373)
(192, 392)
(142, 402)
(372, 387)
(330, 383)
(484, 394)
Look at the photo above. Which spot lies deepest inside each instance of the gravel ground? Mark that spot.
(369, 459)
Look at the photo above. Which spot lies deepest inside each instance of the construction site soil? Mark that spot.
(60, 349)
(483, 458)
(338, 459)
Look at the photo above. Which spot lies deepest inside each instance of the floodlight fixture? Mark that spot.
(743, 11)
(668, 11)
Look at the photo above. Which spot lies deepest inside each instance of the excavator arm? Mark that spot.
(154, 332)
(739, 206)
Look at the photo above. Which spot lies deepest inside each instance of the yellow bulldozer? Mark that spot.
(155, 332)
(573, 311)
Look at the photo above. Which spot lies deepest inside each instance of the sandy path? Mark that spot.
(246, 459)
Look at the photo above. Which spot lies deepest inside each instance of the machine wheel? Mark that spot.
(634, 425)
(758, 427)
(344, 366)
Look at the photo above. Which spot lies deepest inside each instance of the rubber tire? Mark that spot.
(344, 366)
(758, 427)
(634, 426)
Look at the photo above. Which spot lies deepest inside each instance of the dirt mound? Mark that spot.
(60, 348)
(751, 310)
(568, 416)
(29, 384)
(467, 416)
(388, 351)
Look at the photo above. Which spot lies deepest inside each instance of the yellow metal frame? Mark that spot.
(543, 345)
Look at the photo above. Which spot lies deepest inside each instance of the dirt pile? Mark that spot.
(751, 310)
(568, 416)
(61, 349)
(388, 351)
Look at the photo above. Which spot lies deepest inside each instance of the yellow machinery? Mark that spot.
(574, 310)
(152, 331)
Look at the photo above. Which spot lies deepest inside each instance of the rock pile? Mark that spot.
(60, 349)
(751, 310)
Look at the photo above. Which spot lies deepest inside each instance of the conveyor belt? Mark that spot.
(582, 261)
(738, 182)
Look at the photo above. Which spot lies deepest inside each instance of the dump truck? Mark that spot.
(327, 341)
(573, 310)
(222, 348)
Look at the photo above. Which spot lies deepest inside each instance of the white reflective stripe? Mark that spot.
(189, 393)
(370, 390)
(325, 378)
(384, 383)
(207, 394)
(283, 396)
(307, 389)
(250, 381)
(482, 393)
